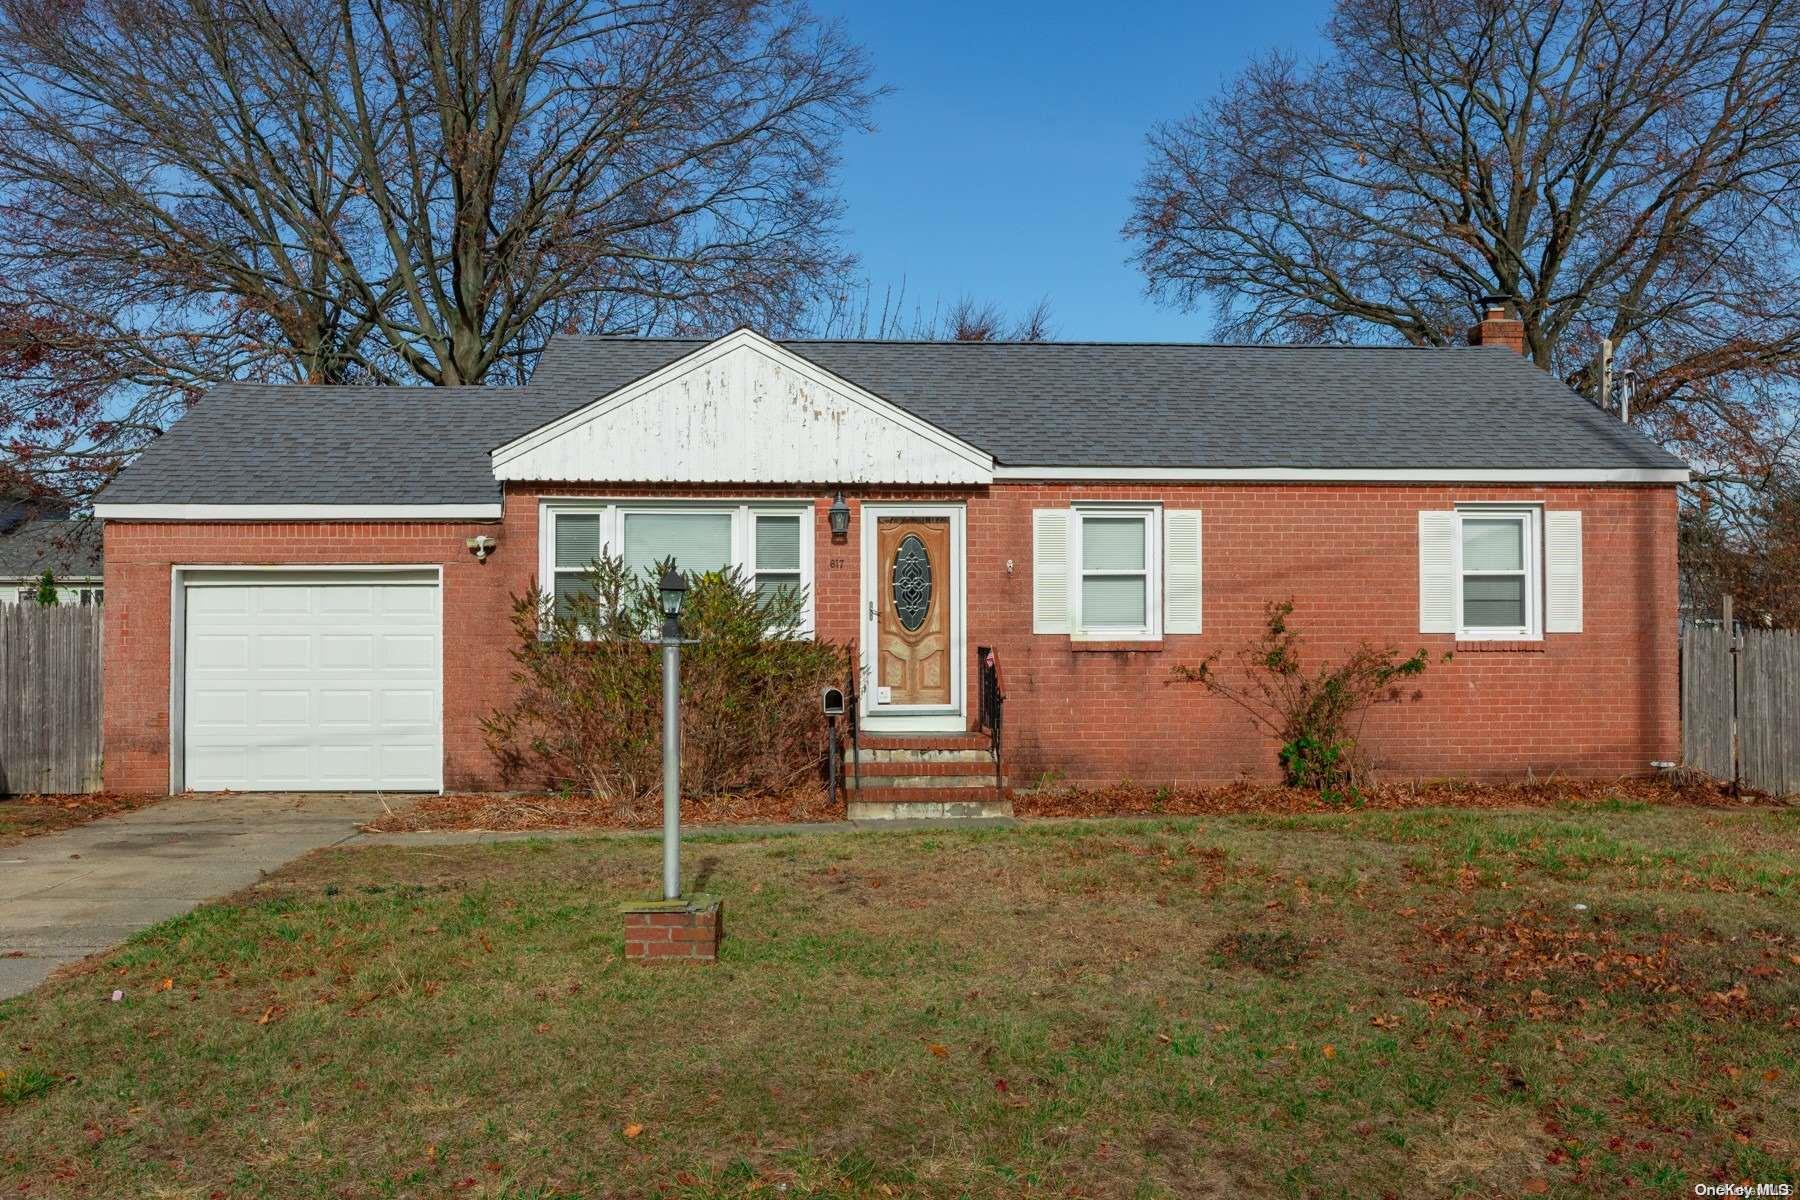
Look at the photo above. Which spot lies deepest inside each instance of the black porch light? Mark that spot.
(839, 515)
(674, 590)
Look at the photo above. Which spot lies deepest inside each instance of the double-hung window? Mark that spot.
(1117, 557)
(767, 542)
(776, 553)
(1497, 573)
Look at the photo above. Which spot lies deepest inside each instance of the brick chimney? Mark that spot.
(1498, 327)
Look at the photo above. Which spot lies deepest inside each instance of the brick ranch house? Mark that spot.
(293, 601)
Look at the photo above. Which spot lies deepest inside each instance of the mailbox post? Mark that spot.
(831, 702)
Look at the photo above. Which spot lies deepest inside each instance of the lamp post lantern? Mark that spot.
(674, 591)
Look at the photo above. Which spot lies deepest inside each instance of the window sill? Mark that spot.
(1499, 647)
(1143, 646)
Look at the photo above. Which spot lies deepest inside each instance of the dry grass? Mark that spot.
(1422, 1002)
(528, 811)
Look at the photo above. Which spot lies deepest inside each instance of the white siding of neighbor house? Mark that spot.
(67, 591)
(743, 410)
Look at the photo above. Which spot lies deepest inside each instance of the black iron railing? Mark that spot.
(853, 712)
(993, 706)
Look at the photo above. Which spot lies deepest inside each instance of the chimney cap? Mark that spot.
(1496, 300)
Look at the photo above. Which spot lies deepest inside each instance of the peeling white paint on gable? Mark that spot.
(742, 410)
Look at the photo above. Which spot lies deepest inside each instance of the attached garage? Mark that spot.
(309, 681)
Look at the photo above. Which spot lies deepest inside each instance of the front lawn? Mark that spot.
(1422, 1003)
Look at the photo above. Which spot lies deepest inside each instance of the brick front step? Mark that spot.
(964, 757)
(900, 804)
(970, 768)
(913, 783)
(930, 795)
(925, 741)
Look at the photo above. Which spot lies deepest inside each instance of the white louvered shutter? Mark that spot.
(1437, 572)
(1562, 572)
(1181, 571)
(1050, 570)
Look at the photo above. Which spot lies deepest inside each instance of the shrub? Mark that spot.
(1316, 717)
(46, 594)
(588, 711)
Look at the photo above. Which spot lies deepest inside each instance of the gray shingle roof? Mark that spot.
(289, 444)
(68, 549)
(1027, 404)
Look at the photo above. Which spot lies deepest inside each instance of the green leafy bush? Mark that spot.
(46, 594)
(587, 714)
(1316, 717)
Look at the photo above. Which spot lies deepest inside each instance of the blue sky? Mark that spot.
(1004, 159)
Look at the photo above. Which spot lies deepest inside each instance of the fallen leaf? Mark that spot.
(1329, 1051)
(939, 1050)
(633, 1130)
(167, 984)
(1536, 1187)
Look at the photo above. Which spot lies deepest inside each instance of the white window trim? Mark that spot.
(1151, 630)
(743, 514)
(1533, 517)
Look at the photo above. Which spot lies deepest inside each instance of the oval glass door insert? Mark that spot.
(912, 583)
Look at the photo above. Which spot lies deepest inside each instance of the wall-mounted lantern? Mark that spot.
(839, 516)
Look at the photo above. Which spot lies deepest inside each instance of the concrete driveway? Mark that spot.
(67, 895)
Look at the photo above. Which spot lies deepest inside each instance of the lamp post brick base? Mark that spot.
(687, 929)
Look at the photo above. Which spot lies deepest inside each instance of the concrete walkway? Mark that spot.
(67, 895)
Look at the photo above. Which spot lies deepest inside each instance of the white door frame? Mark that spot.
(183, 574)
(915, 718)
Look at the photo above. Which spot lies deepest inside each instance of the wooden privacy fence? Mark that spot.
(49, 699)
(1765, 697)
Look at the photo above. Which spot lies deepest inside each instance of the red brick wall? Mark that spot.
(1599, 702)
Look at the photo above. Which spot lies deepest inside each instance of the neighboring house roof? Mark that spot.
(1041, 404)
(66, 548)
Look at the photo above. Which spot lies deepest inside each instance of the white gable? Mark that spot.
(742, 410)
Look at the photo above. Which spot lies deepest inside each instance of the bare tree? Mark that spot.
(1624, 169)
(392, 191)
(854, 313)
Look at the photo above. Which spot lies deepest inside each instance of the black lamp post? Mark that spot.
(673, 589)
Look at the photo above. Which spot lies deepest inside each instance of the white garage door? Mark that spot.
(315, 683)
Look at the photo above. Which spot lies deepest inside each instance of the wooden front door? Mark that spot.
(913, 603)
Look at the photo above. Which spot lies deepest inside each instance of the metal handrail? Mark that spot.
(853, 710)
(993, 707)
